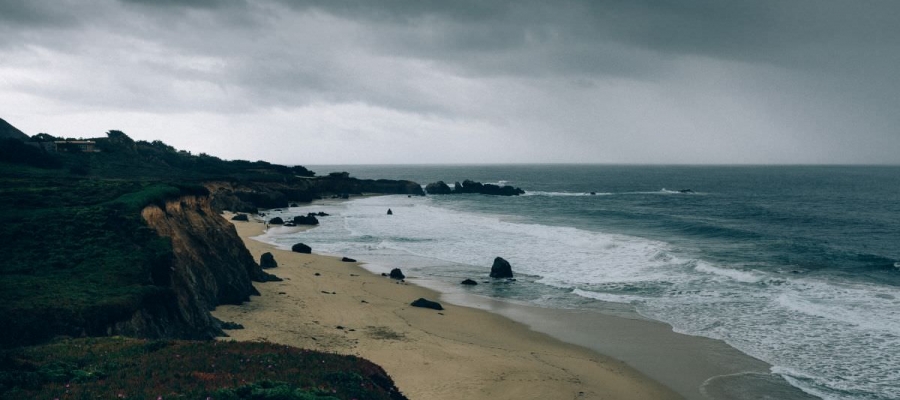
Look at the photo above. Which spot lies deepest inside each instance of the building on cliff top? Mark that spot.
(74, 146)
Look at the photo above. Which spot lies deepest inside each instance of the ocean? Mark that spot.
(798, 266)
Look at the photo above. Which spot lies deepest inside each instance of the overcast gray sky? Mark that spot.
(418, 81)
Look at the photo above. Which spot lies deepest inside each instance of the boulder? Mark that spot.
(267, 261)
(469, 282)
(276, 221)
(240, 217)
(301, 248)
(427, 304)
(501, 269)
(322, 214)
(348, 259)
(306, 220)
(397, 274)
(390, 212)
(438, 187)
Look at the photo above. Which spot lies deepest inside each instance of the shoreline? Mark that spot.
(461, 352)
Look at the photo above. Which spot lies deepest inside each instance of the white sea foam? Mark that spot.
(564, 194)
(730, 273)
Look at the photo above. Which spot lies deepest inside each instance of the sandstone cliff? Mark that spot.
(210, 266)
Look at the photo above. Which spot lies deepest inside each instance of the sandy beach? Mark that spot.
(457, 353)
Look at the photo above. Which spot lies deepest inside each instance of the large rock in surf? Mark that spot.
(501, 269)
(469, 282)
(301, 248)
(276, 221)
(438, 187)
(267, 261)
(306, 220)
(427, 304)
(396, 273)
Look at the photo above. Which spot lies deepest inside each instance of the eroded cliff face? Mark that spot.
(211, 266)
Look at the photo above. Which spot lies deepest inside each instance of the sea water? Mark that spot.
(796, 266)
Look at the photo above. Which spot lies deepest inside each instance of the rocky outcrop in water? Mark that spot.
(396, 273)
(501, 269)
(309, 219)
(438, 187)
(469, 186)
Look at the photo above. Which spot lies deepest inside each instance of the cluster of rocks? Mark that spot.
(468, 186)
(308, 219)
(500, 269)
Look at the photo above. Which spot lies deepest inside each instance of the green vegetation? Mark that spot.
(130, 368)
(78, 255)
(78, 258)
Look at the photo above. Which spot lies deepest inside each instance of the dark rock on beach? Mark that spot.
(348, 259)
(423, 303)
(306, 220)
(267, 261)
(469, 282)
(301, 248)
(276, 221)
(501, 269)
(240, 217)
(397, 274)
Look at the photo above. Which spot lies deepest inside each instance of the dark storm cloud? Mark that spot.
(729, 74)
(211, 4)
(34, 13)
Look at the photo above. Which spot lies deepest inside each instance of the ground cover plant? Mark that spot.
(117, 367)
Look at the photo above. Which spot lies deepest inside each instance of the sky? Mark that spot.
(468, 81)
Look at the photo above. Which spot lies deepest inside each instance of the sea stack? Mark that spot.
(501, 269)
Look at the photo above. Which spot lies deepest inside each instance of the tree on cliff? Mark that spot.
(119, 137)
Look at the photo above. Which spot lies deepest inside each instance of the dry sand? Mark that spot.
(458, 353)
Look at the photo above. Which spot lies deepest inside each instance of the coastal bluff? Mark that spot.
(210, 266)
